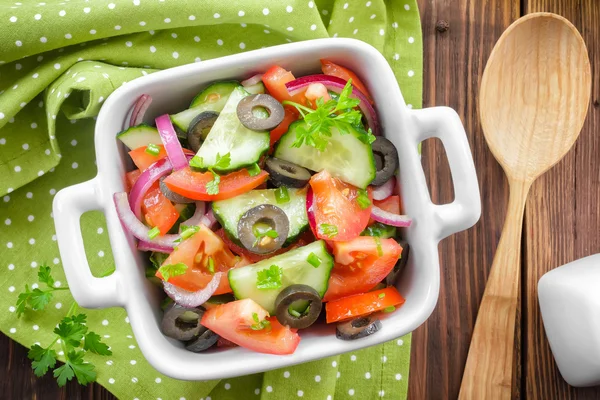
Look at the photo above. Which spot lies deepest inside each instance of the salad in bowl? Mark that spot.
(267, 206)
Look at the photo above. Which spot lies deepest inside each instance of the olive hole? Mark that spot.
(186, 321)
(262, 225)
(260, 112)
(299, 305)
(378, 160)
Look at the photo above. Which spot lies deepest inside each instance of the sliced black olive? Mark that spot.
(291, 295)
(182, 323)
(169, 194)
(392, 277)
(284, 173)
(203, 342)
(247, 116)
(263, 229)
(358, 328)
(386, 160)
(199, 128)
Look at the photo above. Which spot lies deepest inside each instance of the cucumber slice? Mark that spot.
(296, 270)
(213, 98)
(228, 212)
(228, 135)
(346, 157)
(138, 136)
(380, 230)
(258, 88)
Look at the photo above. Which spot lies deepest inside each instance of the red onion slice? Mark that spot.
(390, 219)
(171, 142)
(209, 219)
(384, 191)
(336, 85)
(252, 80)
(133, 225)
(196, 219)
(145, 181)
(144, 245)
(139, 110)
(192, 299)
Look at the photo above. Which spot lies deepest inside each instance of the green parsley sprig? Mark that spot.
(37, 299)
(269, 278)
(172, 270)
(260, 325)
(337, 113)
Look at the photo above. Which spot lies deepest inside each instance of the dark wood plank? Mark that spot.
(562, 214)
(454, 61)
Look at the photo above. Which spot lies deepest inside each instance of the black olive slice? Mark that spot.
(285, 173)
(392, 277)
(263, 229)
(169, 194)
(182, 323)
(199, 128)
(292, 294)
(386, 160)
(248, 118)
(203, 342)
(357, 328)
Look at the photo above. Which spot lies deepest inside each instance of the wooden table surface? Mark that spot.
(562, 218)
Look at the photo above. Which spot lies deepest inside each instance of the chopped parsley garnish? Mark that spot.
(328, 230)
(211, 265)
(389, 309)
(154, 232)
(294, 313)
(222, 162)
(282, 195)
(269, 278)
(379, 248)
(197, 162)
(171, 270)
(259, 325)
(254, 170)
(188, 231)
(261, 232)
(339, 114)
(363, 199)
(152, 149)
(381, 295)
(313, 260)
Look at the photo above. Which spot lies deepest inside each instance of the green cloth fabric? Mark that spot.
(59, 61)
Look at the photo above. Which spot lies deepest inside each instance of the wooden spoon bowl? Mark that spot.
(533, 101)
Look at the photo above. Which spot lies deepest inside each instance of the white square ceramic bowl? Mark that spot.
(172, 91)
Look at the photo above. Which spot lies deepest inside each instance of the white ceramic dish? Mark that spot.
(570, 304)
(171, 91)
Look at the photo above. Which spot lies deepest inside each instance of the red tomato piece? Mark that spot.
(391, 204)
(195, 252)
(131, 177)
(143, 160)
(158, 210)
(360, 265)
(291, 115)
(193, 184)
(330, 68)
(362, 304)
(275, 79)
(232, 321)
(336, 209)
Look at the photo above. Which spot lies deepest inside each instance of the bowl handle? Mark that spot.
(445, 124)
(68, 206)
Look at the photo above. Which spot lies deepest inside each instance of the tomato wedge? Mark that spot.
(330, 68)
(391, 204)
(158, 210)
(143, 160)
(360, 265)
(195, 252)
(275, 79)
(362, 304)
(337, 213)
(131, 177)
(291, 114)
(230, 321)
(193, 184)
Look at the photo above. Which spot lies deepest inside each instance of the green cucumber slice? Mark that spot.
(296, 270)
(213, 98)
(228, 135)
(380, 230)
(139, 135)
(346, 157)
(228, 212)
(258, 88)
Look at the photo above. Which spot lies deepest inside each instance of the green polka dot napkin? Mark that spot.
(59, 60)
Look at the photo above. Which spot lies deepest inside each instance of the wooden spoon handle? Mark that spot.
(488, 372)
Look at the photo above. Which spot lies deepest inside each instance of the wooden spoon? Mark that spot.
(533, 101)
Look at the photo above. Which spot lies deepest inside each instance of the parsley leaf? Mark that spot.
(260, 233)
(172, 270)
(93, 343)
(43, 359)
(38, 299)
(44, 275)
(363, 199)
(222, 161)
(269, 278)
(71, 330)
(75, 366)
(157, 259)
(328, 230)
(187, 231)
(259, 325)
(212, 187)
